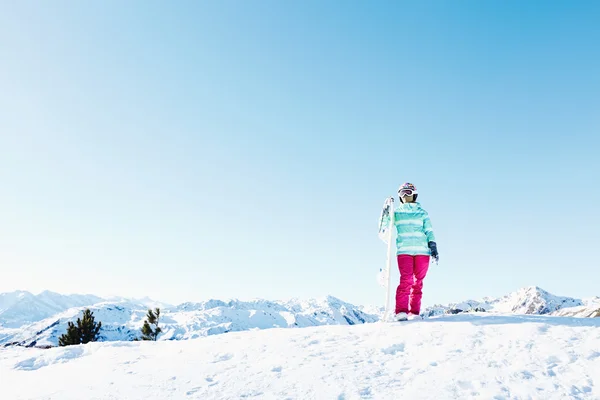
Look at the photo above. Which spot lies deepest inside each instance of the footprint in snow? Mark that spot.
(594, 354)
(193, 391)
(277, 369)
(465, 385)
(251, 394)
(526, 375)
(365, 393)
(223, 357)
(575, 391)
(392, 350)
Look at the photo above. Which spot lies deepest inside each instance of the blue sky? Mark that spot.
(243, 149)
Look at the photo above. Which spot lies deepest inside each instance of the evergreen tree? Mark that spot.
(71, 337)
(87, 330)
(152, 318)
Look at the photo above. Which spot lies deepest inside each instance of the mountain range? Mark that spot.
(39, 320)
(528, 300)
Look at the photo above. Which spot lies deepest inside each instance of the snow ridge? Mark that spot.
(528, 300)
(21, 307)
(121, 321)
(122, 318)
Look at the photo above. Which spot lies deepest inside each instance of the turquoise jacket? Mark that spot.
(414, 230)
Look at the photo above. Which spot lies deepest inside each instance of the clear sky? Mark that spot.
(192, 150)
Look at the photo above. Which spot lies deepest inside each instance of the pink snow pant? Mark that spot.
(412, 272)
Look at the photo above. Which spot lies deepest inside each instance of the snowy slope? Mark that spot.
(589, 309)
(120, 321)
(451, 357)
(123, 320)
(528, 300)
(20, 307)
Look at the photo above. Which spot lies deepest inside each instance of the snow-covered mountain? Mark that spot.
(20, 308)
(589, 309)
(528, 300)
(123, 320)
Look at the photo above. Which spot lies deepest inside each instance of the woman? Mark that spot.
(415, 244)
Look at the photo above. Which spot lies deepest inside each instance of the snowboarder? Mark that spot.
(415, 244)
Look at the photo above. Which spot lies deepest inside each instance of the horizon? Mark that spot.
(232, 150)
(425, 305)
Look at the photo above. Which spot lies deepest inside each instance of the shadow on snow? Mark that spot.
(491, 319)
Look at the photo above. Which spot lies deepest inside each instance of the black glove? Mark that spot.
(434, 252)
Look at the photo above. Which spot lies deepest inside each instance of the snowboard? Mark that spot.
(386, 233)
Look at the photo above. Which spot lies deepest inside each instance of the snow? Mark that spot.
(528, 300)
(589, 309)
(20, 307)
(477, 355)
(123, 320)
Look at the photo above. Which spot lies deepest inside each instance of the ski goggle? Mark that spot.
(406, 192)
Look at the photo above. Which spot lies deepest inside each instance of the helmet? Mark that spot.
(407, 189)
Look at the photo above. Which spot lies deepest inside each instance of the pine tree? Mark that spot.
(87, 330)
(71, 337)
(152, 318)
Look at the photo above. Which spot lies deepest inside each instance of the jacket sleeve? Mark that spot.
(428, 228)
